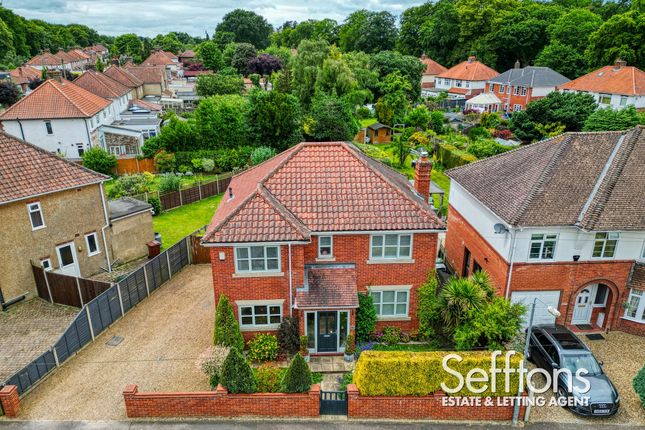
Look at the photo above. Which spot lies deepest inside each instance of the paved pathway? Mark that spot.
(330, 364)
(162, 339)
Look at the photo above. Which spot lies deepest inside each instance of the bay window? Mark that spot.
(257, 259)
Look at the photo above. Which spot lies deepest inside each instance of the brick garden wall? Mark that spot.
(220, 403)
(421, 407)
(10, 401)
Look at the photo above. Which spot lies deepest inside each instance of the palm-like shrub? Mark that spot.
(482, 279)
(459, 297)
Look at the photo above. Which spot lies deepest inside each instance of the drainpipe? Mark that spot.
(107, 224)
(290, 285)
(89, 137)
(511, 261)
(22, 132)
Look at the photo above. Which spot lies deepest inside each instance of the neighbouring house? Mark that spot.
(24, 75)
(614, 86)
(104, 86)
(187, 56)
(47, 60)
(167, 60)
(79, 57)
(375, 133)
(126, 78)
(431, 71)
(306, 231)
(54, 214)
(99, 51)
(561, 221)
(518, 86)
(59, 117)
(154, 78)
(465, 80)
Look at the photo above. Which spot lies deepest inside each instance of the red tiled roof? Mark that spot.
(26, 171)
(157, 58)
(191, 73)
(122, 75)
(24, 74)
(330, 186)
(147, 74)
(97, 48)
(469, 70)
(432, 67)
(328, 286)
(626, 80)
(145, 104)
(78, 55)
(188, 54)
(53, 99)
(101, 85)
(427, 84)
(45, 59)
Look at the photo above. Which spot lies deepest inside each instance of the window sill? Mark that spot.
(272, 327)
(38, 228)
(390, 261)
(258, 275)
(325, 259)
(394, 318)
(637, 321)
(92, 255)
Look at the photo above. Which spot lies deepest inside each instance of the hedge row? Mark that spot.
(385, 373)
(450, 156)
(639, 385)
(226, 159)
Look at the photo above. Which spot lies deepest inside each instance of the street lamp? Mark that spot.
(553, 311)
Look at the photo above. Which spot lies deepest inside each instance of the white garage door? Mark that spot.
(542, 316)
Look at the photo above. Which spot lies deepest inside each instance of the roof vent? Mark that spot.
(472, 58)
(619, 64)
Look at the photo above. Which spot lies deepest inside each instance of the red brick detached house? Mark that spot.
(562, 220)
(304, 232)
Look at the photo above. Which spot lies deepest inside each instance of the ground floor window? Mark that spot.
(635, 306)
(391, 302)
(260, 315)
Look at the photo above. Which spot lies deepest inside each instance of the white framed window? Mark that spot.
(605, 244)
(36, 216)
(48, 127)
(517, 108)
(92, 242)
(501, 88)
(523, 91)
(46, 263)
(325, 246)
(117, 150)
(467, 84)
(623, 100)
(508, 89)
(257, 314)
(257, 259)
(516, 90)
(604, 99)
(600, 299)
(491, 88)
(543, 246)
(635, 306)
(458, 84)
(391, 302)
(391, 246)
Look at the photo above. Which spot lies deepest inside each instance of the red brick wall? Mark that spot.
(631, 327)
(513, 99)
(347, 249)
(10, 401)
(219, 403)
(422, 407)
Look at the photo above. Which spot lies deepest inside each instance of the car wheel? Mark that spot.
(563, 396)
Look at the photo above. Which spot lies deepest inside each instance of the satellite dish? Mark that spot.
(500, 228)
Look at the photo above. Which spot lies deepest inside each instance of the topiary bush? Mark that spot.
(365, 317)
(297, 379)
(289, 335)
(263, 347)
(639, 385)
(99, 160)
(227, 330)
(236, 375)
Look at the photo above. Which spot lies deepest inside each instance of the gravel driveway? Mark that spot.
(162, 339)
(623, 355)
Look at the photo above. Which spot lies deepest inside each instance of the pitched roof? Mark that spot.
(484, 99)
(97, 48)
(530, 77)
(45, 59)
(432, 67)
(101, 85)
(147, 74)
(143, 104)
(328, 286)
(78, 55)
(590, 180)
(469, 70)
(157, 58)
(27, 171)
(24, 75)
(625, 80)
(189, 53)
(330, 186)
(377, 126)
(124, 76)
(53, 99)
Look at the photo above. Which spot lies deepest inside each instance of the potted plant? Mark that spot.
(304, 349)
(350, 348)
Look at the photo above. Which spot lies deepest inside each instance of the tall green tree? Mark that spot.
(247, 27)
(440, 34)
(210, 55)
(621, 36)
(130, 45)
(274, 119)
(333, 119)
(563, 59)
(409, 67)
(242, 54)
(311, 55)
(412, 21)
(221, 121)
(219, 84)
(574, 27)
(368, 31)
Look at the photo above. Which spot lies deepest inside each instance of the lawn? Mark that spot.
(175, 224)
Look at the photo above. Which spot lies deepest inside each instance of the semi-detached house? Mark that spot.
(303, 233)
(561, 220)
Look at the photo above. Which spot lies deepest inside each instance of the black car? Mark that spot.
(556, 347)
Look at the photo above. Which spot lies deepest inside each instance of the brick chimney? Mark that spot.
(56, 75)
(114, 61)
(472, 58)
(422, 175)
(620, 64)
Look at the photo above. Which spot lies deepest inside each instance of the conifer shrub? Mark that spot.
(227, 331)
(298, 376)
(236, 374)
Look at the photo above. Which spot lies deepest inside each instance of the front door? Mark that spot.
(327, 331)
(583, 306)
(67, 261)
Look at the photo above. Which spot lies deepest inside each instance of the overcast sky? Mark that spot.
(151, 17)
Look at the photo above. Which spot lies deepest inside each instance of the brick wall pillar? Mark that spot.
(10, 401)
(129, 392)
(352, 398)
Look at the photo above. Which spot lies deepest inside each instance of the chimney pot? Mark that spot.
(472, 58)
(57, 75)
(620, 63)
(517, 64)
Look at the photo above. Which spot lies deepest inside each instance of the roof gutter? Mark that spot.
(220, 244)
(53, 191)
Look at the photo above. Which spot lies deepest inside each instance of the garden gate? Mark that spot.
(333, 402)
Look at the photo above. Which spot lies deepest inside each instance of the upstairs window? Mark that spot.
(543, 246)
(604, 99)
(36, 216)
(391, 246)
(325, 247)
(491, 88)
(523, 91)
(605, 245)
(501, 89)
(48, 127)
(516, 90)
(257, 259)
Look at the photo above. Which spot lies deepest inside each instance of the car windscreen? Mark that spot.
(582, 361)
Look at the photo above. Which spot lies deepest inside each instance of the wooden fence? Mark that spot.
(67, 290)
(195, 193)
(132, 165)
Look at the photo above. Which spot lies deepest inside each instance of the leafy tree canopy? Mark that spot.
(247, 27)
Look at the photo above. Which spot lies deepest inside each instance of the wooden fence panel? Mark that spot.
(132, 165)
(64, 289)
(41, 284)
(91, 289)
(170, 200)
(190, 195)
(201, 254)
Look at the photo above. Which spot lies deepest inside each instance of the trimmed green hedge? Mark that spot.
(450, 156)
(399, 373)
(226, 159)
(639, 385)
